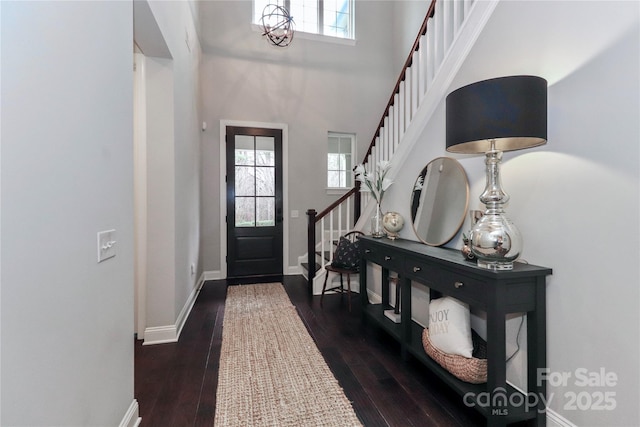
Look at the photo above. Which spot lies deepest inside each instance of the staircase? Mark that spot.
(448, 32)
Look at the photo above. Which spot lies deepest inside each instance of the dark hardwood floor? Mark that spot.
(175, 384)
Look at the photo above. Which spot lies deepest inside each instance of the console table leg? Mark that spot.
(405, 315)
(537, 352)
(496, 356)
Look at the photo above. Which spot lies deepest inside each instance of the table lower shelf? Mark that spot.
(375, 312)
(508, 404)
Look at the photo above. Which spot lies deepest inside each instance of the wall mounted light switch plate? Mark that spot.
(106, 244)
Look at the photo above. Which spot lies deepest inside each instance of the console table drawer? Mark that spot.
(383, 258)
(424, 272)
(463, 287)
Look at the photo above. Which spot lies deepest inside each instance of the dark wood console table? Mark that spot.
(498, 293)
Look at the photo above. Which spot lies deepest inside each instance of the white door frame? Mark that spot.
(140, 194)
(223, 189)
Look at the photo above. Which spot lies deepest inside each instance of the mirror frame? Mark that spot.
(462, 214)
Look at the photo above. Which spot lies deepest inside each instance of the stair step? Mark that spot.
(327, 254)
(305, 265)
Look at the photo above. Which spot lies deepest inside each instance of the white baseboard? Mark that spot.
(160, 335)
(556, 420)
(171, 333)
(211, 275)
(132, 417)
(294, 270)
(553, 418)
(186, 309)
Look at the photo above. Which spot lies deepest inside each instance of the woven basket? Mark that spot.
(471, 370)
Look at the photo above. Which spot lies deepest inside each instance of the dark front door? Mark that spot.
(254, 202)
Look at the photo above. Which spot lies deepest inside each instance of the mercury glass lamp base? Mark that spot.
(494, 265)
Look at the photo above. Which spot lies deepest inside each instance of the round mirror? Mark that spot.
(439, 201)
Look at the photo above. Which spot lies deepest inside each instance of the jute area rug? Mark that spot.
(271, 372)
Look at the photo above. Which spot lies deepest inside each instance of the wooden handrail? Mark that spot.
(402, 77)
(335, 204)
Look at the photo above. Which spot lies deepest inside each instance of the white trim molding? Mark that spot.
(554, 419)
(131, 417)
(211, 275)
(171, 333)
(293, 270)
(160, 335)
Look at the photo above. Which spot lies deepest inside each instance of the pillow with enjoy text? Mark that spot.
(450, 326)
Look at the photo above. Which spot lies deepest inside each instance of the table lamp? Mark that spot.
(490, 117)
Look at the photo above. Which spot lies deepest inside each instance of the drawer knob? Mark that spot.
(416, 269)
(367, 251)
(387, 257)
(458, 285)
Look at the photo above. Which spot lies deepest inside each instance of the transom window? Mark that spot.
(340, 160)
(326, 17)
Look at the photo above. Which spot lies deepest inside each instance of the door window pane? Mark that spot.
(245, 184)
(265, 151)
(245, 150)
(265, 181)
(245, 212)
(266, 211)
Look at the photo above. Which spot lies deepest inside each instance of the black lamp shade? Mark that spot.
(511, 111)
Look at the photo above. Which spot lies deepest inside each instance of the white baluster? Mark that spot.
(438, 34)
(431, 53)
(448, 26)
(389, 141)
(385, 139)
(458, 16)
(422, 68)
(392, 129)
(402, 108)
(348, 218)
(331, 235)
(321, 244)
(415, 84)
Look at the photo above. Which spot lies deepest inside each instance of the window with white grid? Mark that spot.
(340, 157)
(333, 18)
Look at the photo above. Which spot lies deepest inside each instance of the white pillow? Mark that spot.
(450, 326)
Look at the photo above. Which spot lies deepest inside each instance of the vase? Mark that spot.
(377, 228)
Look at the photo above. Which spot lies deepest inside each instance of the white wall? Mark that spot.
(161, 193)
(67, 337)
(313, 86)
(173, 150)
(576, 199)
(407, 17)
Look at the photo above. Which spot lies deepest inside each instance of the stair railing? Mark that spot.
(337, 219)
(419, 70)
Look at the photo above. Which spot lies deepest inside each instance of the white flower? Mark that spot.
(376, 182)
